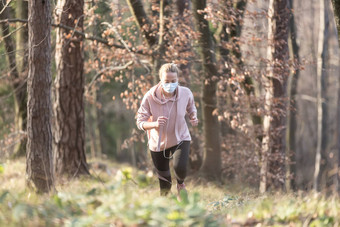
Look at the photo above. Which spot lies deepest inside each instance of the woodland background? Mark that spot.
(264, 74)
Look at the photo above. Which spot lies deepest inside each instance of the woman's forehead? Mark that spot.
(169, 76)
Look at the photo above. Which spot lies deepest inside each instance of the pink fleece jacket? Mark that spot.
(154, 105)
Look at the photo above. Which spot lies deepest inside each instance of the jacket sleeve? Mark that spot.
(191, 108)
(143, 113)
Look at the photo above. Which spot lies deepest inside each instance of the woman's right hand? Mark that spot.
(161, 121)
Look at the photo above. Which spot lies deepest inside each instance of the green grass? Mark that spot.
(122, 196)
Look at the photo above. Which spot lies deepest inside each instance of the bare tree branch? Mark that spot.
(6, 75)
(19, 86)
(4, 37)
(85, 35)
(126, 46)
(18, 136)
(110, 68)
(5, 6)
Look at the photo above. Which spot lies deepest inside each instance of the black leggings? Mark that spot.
(180, 156)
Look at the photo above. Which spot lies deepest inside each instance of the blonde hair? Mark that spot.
(168, 67)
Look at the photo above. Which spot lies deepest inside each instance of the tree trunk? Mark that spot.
(337, 172)
(211, 166)
(273, 144)
(234, 57)
(330, 144)
(155, 42)
(39, 163)
(291, 110)
(21, 11)
(94, 111)
(248, 83)
(181, 6)
(69, 134)
(195, 157)
(319, 156)
(19, 83)
(96, 148)
(266, 146)
(159, 52)
(143, 21)
(230, 56)
(336, 6)
(281, 75)
(137, 10)
(22, 66)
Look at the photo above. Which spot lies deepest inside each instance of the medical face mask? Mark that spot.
(169, 87)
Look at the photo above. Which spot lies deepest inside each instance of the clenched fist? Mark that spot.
(193, 119)
(194, 122)
(161, 121)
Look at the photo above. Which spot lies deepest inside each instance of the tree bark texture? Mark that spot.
(292, 108)
(273, 150)
(266, 147)
(336, 6)
(319, 167)
(19, 83)
(39, 165)
(69, 133)
(268, 102)
(330, 134)
(211, 166)
(21, 11)
(281, 74)
(22, 66)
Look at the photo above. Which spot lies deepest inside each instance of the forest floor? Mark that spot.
(118, 195)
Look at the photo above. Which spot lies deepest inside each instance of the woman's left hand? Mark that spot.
(194, 122)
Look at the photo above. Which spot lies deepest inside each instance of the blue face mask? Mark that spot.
(169, 87)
